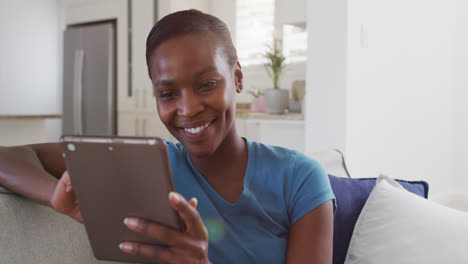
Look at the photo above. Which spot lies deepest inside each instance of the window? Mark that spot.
(294, 43)
(254, 29)
(255, 24)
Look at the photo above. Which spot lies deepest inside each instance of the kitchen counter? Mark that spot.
(243, 112)
(28, 117)
(246, 114)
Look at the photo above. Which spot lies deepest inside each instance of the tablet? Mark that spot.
(118, 177)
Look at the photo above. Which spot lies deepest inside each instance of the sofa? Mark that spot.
(33, 233)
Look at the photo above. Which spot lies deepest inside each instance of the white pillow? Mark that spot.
(396, 226)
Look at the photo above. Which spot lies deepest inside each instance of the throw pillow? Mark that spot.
(396, 226)
(351, 195)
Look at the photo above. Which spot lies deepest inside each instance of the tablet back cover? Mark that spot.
(114, 180)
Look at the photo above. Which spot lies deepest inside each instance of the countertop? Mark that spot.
(246, 114)
(28, 117)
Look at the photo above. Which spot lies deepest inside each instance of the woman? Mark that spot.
(261, 204)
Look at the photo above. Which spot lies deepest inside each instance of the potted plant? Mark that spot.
(276, 99)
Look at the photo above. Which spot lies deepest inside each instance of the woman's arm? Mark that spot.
(311, 237)
(32, 171)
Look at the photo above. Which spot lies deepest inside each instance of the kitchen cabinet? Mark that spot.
(137, 92)
(277, 132)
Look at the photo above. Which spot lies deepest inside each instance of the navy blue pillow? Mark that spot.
(351, 195)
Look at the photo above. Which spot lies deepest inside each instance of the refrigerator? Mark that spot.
(89, 74)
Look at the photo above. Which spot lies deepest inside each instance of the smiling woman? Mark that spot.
(195, 92)
(251, 203)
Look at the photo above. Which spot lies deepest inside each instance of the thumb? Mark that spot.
(62, 200)
(193, 202)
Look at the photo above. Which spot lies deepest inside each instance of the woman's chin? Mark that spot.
(200, 152)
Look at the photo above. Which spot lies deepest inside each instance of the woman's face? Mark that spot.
(195, 91)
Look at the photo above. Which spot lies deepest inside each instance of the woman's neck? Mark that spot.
(231, 153)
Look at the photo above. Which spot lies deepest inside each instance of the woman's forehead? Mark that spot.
(186, 55)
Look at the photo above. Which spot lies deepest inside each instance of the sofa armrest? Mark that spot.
(333, 161)
(34, 233)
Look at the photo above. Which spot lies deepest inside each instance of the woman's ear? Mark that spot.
(238, 78)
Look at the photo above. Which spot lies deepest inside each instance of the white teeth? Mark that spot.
(196, 130)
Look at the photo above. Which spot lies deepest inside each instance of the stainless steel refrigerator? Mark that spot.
(89, 87)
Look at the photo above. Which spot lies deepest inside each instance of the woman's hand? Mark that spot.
(63, 199)
(188, 247)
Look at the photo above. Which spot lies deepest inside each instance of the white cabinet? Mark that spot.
(142, 124)
(141, 98)
(277, 132)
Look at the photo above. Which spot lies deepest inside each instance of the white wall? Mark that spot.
(460, 141)
(326, 75)
(403, 88)
(20, 132)
(29, 67)
(202, 5)
(400, 90)
(226, 11)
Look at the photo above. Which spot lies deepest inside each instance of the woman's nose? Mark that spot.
(189, 105)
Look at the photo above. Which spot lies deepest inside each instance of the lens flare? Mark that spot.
(215, 229)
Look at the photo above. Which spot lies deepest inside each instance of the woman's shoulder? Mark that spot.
(176, 151)
(281, 155)
(171, 145)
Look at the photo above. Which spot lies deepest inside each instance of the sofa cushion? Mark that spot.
(396, 226)
(34, 233)
(351, 195)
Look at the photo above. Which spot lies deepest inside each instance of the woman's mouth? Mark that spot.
(194, 132)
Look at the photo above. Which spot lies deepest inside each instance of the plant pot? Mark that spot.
(277, 100)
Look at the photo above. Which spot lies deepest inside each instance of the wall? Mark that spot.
(226, 11)
(400, 90)
(29, 69)
(326, 75)
(20, 132)
(403, 88)
(202, 5)
(460, 130)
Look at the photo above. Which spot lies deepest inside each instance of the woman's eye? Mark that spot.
(208, 84)
(167, 95)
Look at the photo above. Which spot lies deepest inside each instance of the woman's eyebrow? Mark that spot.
(195, 75)
(164, 82)
(205, 70)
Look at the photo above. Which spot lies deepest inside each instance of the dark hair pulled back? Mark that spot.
(189, 21)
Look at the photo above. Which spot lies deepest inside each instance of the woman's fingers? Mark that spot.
(193, 202)
(192, 220)
(161, 254)
(63, 199)
(76, 214)
(188, 247)
(172, 238)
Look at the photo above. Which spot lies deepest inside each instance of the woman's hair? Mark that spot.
(189, 21)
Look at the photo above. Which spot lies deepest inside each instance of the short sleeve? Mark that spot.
(309, 187)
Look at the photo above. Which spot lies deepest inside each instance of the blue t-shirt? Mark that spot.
(280, 186)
